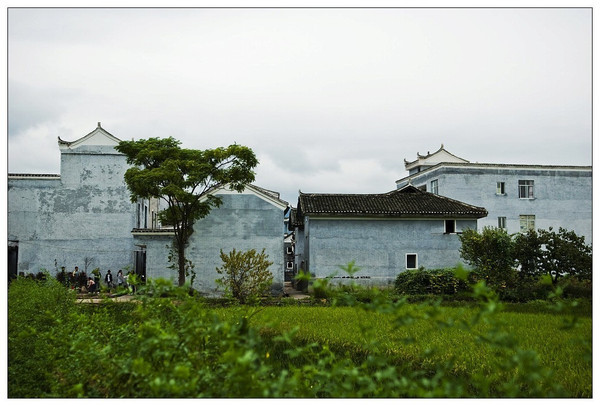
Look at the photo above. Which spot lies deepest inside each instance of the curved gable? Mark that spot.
(98, 137)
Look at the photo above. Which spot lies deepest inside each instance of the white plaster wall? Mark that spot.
(563, 198)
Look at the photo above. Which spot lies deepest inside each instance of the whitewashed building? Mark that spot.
(84, 217)
(81, 217)
(517, 197)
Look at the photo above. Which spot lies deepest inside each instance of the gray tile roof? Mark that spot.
(406, 202)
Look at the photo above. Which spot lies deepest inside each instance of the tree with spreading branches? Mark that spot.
(184, 179)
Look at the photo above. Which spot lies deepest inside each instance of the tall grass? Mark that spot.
(169, 344)
(430, 336)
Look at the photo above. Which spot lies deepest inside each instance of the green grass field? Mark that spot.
(432, 337)
(170, 344)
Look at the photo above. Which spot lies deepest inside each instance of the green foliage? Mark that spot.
(184, 178)
(170, 345)
(433, 281)
(494, 254)
(39, 328)
(565, 253)
(546, 252)
(490, 253)
(527, 252)
(246, 277)
(301, 281)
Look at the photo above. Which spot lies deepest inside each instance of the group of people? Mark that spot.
(93, 283)
(80, 280)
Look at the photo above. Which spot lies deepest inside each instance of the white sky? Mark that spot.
(330, 99)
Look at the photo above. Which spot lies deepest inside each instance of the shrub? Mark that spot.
(491, 253)
(39, 332)
(301, 280)
(525, 290)
(575, 288)
(246, 277)
(429, 282)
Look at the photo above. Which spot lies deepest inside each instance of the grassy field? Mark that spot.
(424, 336)
(173, 345)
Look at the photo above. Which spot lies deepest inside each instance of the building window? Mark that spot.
(422, 188)
(502, 222)
(500, 188)
(449, 226)
(290, 265)
(289, 250)
(526, 222)
(525, 189)
(145, 216)
(411, 261)
(139, 215)
(434, 187)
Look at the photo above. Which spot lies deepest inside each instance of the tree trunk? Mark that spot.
(181, 262)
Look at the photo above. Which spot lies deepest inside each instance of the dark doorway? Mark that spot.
(13, 261)
(140, 265)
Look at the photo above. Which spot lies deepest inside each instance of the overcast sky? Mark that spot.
(330, 100)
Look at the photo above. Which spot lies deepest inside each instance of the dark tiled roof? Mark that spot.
(405, 202)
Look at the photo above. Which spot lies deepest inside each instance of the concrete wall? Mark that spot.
(244, 221)
(84, 214)
(563, 198)
(379, 246)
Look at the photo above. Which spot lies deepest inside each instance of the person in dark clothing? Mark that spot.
(108, 279)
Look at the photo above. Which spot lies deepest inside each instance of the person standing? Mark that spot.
(120, 279)
(108, 279)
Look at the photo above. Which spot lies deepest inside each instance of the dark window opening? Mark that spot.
(500, 188)
(411, 261)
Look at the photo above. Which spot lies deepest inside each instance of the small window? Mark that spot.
(290, 265)
(422, 188)
(502, 222)
(434, 187)
(138, 219)
(526, 222)
(525, 189)
(500, 190)
(411, 261)
(289, 250)
(449, 226)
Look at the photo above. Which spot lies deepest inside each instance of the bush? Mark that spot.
(39, 333)
(575, 288)
(429, 282)
(246, 277)
(491, 253)
(525, 290)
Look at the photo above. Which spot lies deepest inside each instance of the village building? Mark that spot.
(249, 220)
(84, 217)
(81, 217)
(517, 197)
(384, 234)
